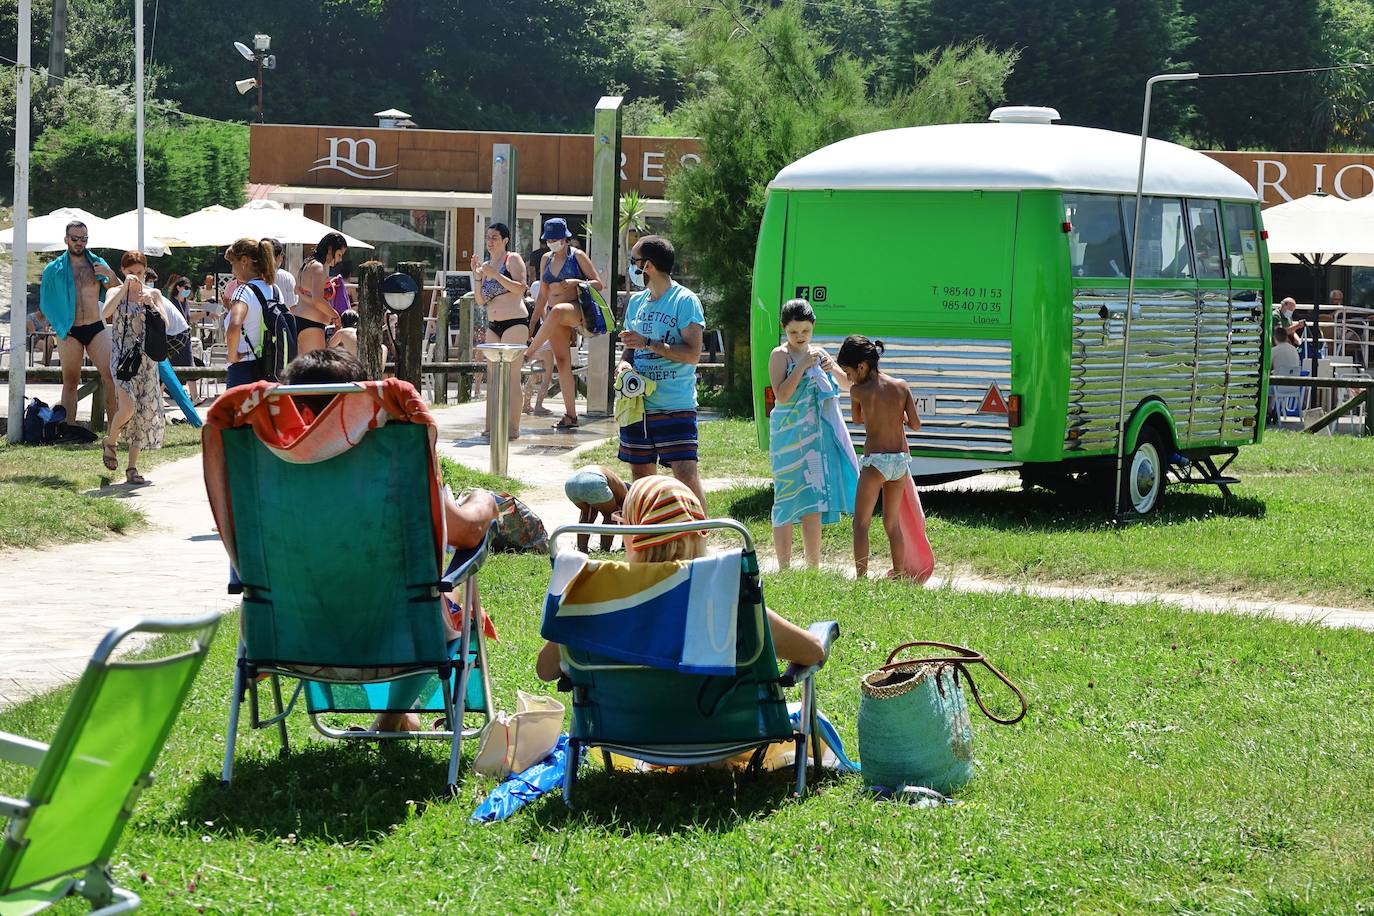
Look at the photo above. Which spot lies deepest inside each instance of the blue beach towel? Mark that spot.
(173, 386)
(674, 616)
(815, 470)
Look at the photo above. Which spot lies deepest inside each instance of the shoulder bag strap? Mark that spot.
(962, 657)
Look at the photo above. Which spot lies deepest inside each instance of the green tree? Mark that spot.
(1087, 58)
(1278, 112)
(518, 65)
(185, 168)
(771, 92)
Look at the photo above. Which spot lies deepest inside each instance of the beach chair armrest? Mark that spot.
(466, 562)
(13, 807)
(827, 631)
(23, 751)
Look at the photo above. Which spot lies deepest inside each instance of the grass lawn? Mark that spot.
(1297, 530)
(727, 448)
(46, 491)
(1171, 762)
(460, 477)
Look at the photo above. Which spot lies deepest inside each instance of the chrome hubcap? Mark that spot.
(1144, 478)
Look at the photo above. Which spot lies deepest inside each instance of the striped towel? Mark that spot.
(676, 616)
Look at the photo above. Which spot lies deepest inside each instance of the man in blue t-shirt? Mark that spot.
(662, 338)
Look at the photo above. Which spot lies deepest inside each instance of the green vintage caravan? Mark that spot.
(993, 261)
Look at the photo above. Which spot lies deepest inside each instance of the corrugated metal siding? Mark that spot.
(957, 373)
(1199, 351)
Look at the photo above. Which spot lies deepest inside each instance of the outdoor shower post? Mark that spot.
(499, 358)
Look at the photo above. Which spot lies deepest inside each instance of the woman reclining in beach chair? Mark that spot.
(672, 656)
(345, 595)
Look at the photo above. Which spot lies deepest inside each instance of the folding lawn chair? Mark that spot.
(61, 834)
(647, 648)
(336, 533)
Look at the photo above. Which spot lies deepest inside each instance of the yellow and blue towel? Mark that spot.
(678, 616)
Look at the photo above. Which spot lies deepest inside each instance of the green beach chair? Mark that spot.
(343, 585)
(61, 834)
(676, 717)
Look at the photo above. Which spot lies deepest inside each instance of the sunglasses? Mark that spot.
(78, 238)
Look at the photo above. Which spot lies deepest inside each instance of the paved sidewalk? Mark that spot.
(59, 601)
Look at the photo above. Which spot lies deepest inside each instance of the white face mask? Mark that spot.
(636, 275)
(557, 245)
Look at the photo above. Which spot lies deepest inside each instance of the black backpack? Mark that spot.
(154, 334)
(278, 336)
(43, 425)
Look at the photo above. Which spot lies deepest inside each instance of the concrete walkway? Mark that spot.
(56, 603)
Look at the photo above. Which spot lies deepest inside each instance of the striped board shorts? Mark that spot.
(664, 436)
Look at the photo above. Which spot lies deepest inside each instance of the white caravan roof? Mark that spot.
(1011, 156)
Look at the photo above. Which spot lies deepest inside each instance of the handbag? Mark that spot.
(514, 743)
(914, 727)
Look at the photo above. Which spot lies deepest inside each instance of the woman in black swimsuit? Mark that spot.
(501, 289)
(313, 310)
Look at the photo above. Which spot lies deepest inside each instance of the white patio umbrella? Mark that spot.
(157, 226)
(47, 233)
(372, 227)
(257, 219)
(1320, 226)
(1317, 231)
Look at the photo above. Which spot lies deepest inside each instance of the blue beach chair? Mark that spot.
(627, 700)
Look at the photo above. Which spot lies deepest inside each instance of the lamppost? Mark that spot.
(257, 54)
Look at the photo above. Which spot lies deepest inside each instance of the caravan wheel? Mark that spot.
(1144, 474)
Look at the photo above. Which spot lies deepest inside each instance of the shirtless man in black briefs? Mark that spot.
(88, 335)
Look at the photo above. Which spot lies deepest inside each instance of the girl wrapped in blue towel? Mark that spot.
(815, 470)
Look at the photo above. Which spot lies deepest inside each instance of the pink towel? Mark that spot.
(918, 560)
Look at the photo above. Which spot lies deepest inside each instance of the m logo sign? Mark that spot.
(356, 158)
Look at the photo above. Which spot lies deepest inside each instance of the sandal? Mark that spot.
(541, 412)
(108, 456)
(568, 422)
(132, 476)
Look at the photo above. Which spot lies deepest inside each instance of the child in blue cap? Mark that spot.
(596, 490)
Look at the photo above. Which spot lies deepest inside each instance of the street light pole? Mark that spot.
(260, 57)
(19, 253)
(138, 111)
(1117, 510)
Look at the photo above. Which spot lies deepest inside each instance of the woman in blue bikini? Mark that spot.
(563, 271)
(502, 292)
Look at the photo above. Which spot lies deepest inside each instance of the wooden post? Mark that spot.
(440, 346)
(371, 315)
(410, 327)
(464, 354)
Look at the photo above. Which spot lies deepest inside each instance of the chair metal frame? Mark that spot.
(92, 880)
(689, 754)
(452, 675)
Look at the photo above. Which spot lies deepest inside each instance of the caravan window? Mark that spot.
(1242, 240)
(1206, 233)
(1097, 244)
(1163, 249)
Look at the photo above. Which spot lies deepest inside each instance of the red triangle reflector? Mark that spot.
(993, 402)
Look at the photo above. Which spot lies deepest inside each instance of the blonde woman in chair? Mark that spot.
(663, 500)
